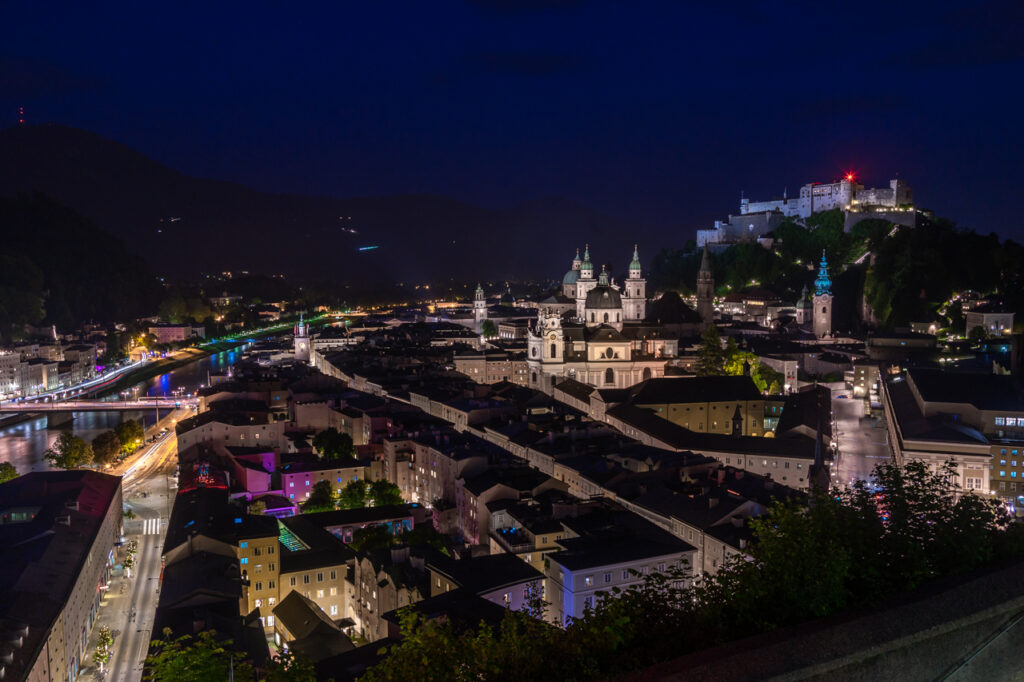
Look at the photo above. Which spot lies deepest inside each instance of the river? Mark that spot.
(23, 444)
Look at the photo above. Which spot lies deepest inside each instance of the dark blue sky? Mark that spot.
(658, 112)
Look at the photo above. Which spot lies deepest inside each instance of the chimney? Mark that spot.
(399, 554)
(743, 543)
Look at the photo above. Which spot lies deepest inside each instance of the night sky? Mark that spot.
(656, 112)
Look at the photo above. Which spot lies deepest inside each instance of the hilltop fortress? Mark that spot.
(758, 218)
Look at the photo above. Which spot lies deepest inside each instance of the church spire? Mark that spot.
(602, 279)
(823, 284)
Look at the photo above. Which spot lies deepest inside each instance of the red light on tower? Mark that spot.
(21, 115)
(850, 176)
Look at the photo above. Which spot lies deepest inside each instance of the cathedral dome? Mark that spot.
(571, 277)
(603, 298)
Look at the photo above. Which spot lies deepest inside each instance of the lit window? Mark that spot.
(243, 560)
(243, 545)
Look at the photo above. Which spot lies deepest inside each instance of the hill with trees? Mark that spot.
(57, 267)
(907, 274)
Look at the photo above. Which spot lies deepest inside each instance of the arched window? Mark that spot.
(609, 376)
(591, 317)
(554, 350)
(534, 377)
(534, 351)
(618, 317)
(647, 373)
(824, 310)
(606, 317)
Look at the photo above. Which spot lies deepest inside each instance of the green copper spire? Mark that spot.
(635, 264)
(602, 279)
(823, 284)
(586, 253)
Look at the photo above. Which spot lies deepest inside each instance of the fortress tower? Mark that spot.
(822, 300)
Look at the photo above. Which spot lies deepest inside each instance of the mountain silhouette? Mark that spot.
(186, 226)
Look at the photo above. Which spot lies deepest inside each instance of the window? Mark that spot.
(607, 578)
(334, 575)
(507, 598)
(305, 580)
(334, 609)
(259, 568)
(272, 600)
(319, 594)
(272, 566)
(588, 602)
(307, 482)
(272, 585)
(292, 581)
(270, 550)
(243, 545)
(625, 574)
(589, 581)
(661, 567)
(243, 561)
(256, 551)
(334, 591)
(270, 621)
(609, 376)
(554, 350)
(319, 577)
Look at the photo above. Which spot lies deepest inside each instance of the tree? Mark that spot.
(321, 498)
(102, 653)
(977, 336)
(257, 508)
(332, 444)
(130, 433)
(7, 472)
(105, 448)
(353, 495)
(488, 330)
(384, 493)
(853, 548)
(201, 658)
(710, 356)
(69, 452)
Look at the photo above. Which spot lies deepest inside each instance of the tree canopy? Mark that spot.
(69, 452)
(105, 448)
(7, 472)
(332, 444)
(321, 498)
(851, 548)
(204, 658)
(130, 433)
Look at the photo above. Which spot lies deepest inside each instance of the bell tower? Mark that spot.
(479, 308)
(301, 336)
(822, 300)
(634, 295)
(706, 291)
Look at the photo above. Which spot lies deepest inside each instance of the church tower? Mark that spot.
(634, 296)
(301, 336)
(706, 291)
(479, 308)
(822, 300)
(586, 282)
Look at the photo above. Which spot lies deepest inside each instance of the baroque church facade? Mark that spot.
(594, 331)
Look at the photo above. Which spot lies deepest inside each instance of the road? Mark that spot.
(862, 442)
(148, 486)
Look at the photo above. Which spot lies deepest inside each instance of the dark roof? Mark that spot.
(592, 552)
(694, 390)
(345, 517)
(577, 389)
(603, 298)
(983, 391)
(322, 548)
(302, 616)
(485, 573)
(207, 511)
(42, 557)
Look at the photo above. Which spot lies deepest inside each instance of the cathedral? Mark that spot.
(594, 331)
